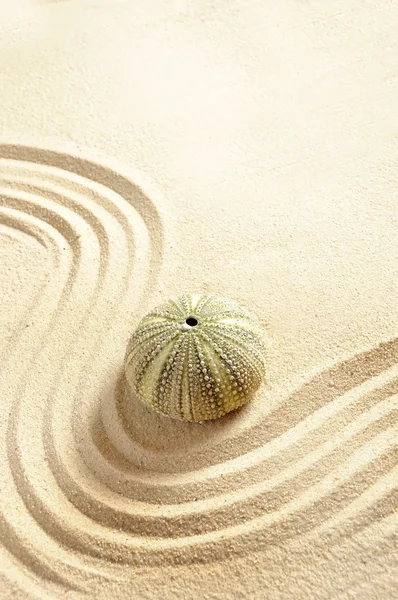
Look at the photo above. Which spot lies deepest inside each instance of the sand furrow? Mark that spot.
(115, 509)
(40, 317)
(269, 458)
(24, 192)
(99, 484)
(293, 518)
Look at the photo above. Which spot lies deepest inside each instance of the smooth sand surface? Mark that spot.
(242, 148)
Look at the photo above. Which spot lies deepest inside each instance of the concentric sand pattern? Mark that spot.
(197, 357)
(77, 471)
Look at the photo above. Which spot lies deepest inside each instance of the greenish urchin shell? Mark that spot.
(196, 358)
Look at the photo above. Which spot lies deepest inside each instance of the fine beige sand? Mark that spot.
(243, 148)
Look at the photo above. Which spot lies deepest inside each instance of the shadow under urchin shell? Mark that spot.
(196, 358)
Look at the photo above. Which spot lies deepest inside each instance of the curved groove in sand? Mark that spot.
(30, 226)
(24, 188)
(263, 462)
(14, 537)
(316, 458)
(206, 514)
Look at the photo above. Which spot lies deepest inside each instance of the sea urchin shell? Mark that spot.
(196, 358)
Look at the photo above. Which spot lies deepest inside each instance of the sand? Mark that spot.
(247, 149)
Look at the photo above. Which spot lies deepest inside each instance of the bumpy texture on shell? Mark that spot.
(196, 358)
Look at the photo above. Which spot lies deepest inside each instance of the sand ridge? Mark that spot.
(93, 492)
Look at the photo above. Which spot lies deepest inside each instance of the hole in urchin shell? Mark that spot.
(191, 321)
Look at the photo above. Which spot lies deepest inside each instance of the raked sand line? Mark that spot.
(12, 527)
(19, 223)
(83, 476)
(325, 457)
(196, 519)
(267, 460)
(71, 206)
(219, 511)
